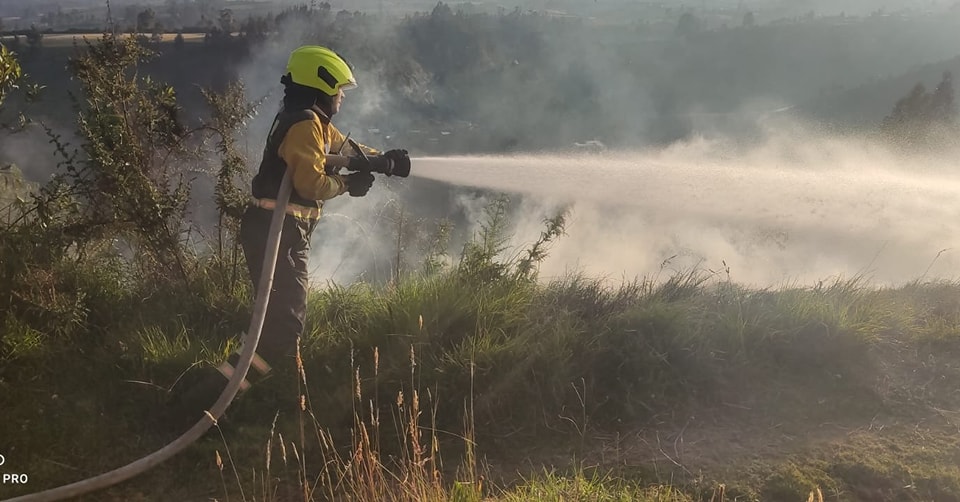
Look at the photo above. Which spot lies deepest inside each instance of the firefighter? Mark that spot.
(303, 139)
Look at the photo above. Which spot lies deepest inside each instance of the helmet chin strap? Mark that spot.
(325, 104)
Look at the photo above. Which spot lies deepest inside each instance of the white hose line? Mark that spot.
(246, 357)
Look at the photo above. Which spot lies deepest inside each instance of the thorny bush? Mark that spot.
(123, 195)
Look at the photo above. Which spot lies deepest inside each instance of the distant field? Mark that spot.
(67, 39)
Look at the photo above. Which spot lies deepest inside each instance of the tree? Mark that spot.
(127, 182)
(226, 21)
(922, 118)
(254, 28)
(908, 109)
(749, 21)
(441, 10)
(145, 21)
(34, 38)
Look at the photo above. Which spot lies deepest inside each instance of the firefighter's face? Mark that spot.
(336, 101)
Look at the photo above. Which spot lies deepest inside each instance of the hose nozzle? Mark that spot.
(377, 164)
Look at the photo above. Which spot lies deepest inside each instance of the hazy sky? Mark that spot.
(780, 7)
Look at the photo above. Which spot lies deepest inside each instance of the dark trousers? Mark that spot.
(287, 307)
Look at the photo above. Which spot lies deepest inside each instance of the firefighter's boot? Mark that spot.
(194, 400)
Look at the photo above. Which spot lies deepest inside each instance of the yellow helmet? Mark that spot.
(320, 68)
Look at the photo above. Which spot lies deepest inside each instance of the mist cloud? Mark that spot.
(799, 208)
(746, 189)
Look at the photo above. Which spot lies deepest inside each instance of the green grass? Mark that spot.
(471, 379)
(551, 487)
(539, 370)
(474, 380)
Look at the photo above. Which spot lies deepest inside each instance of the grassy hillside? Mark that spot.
(466, 377)
(600, 392)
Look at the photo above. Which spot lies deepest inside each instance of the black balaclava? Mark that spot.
(301, 97)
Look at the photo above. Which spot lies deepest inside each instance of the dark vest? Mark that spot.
(266, 183)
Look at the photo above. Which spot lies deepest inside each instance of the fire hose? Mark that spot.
(250, 342)
(210, 418)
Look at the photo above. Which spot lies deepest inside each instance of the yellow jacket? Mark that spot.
(305, 148)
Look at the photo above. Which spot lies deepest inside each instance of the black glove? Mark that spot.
(401, 163)
(358, 184)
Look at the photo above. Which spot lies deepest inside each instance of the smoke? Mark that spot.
(31, 151)
(781, 203)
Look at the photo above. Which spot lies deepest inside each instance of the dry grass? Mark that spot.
(412, 471)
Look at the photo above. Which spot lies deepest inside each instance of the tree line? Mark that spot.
(523, 80)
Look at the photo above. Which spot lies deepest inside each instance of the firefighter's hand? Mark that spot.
(401, 162)
(358, 184)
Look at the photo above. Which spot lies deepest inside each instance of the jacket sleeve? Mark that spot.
(336, 144)
(302, 150)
